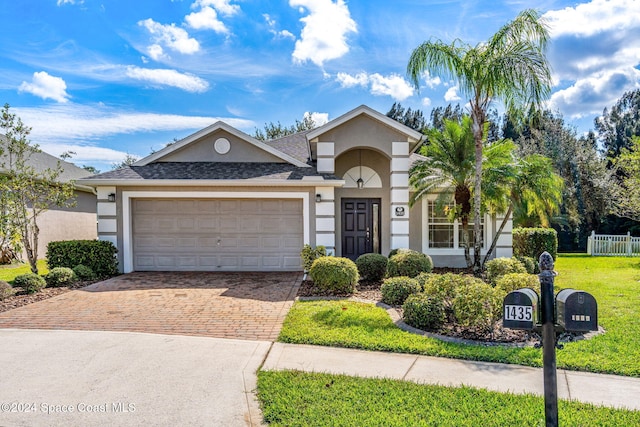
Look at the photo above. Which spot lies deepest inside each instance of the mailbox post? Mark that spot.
(547, 315)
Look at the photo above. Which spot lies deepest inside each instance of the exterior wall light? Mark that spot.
(111, 197)
(318, 198)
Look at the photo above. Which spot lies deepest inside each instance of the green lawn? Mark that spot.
(290, 398)
(10, 272)
(614, 282)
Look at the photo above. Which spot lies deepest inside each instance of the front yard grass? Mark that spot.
(291, 398)
(614, 282)
(11, 271)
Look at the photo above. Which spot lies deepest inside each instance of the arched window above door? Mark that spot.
(370, 177)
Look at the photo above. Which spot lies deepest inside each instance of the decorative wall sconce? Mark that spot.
(318, 198)
(360, 181)
(111, 197)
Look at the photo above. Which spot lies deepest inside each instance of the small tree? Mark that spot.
(27, 193)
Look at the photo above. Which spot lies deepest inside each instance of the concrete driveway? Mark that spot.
(83, 378)
(247, 306)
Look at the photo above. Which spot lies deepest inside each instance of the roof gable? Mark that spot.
(411, 135)
(200, 146)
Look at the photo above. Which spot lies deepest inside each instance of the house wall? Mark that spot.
(73, 223)
(203, 151)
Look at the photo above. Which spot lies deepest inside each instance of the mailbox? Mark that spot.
(576, 310)
(521, 309)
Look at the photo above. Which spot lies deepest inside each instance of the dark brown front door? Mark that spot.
(360, 227)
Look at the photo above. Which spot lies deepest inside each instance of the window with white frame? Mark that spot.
(443, 233)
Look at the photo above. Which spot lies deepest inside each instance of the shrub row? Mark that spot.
(532, 242)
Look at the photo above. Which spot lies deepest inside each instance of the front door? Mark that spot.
(360, 227)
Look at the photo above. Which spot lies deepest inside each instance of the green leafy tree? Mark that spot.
(128, 160)
(27, 193)
(449, 169)
(510, 67)
(408, 117)
(627, 166)
(278, 130)
(617, 126)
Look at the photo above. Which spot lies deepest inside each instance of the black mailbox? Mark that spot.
(576, 310)
(521, 309)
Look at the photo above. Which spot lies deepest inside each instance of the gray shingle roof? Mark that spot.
(213, 171)
(42, 161)
(295, 145)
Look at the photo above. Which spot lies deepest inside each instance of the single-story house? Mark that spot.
(220, 200)
(62, 223)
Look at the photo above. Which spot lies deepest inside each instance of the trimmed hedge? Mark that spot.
(479, 305)
(532, 242)
(310, 254)
(513, 281)
(395, 290)
(98, 255)
(30, 282)
(529, 263)
(84, 273)
(333, 274)
(372, 267)
(409, 263)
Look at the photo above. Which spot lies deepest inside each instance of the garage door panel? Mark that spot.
(217, 234)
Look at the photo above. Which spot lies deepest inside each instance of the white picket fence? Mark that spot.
(610, 245)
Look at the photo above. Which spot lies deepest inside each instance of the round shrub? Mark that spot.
(333, 274)
(83, 272)
(398, 250)
(529, 263)
(60, 276)
(424, 312)
(498, 267)
(478, 305)
(30, 282)
(409, 263)
(6, 290)
(395, 290)
(512, 281)
(372, 267)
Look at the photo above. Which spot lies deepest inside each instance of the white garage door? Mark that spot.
(217, 234)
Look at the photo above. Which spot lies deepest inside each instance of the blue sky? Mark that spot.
(111, 77)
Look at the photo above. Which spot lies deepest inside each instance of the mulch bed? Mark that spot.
(21, 298)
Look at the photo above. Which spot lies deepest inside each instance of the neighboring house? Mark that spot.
(58, 223)
(220, 200)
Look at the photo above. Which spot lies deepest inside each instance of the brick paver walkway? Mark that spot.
(249, 306)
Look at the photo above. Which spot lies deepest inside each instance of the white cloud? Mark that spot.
(318, 118)
(170, 36)
(46, 86)
(594, 17)
(452, 94)
(324, 35)
(81, 124)
(347, 80)
(206, 19)
(223, 6)
(63, 2)
(432, 82)
(590, 95)
(284, 34)
(393, 85)
(184, 81)
(426, 102)
(594, 54)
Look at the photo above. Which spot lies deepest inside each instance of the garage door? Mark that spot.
(217, 234)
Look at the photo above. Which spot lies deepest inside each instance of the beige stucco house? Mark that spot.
(60, 223)
(220, 200)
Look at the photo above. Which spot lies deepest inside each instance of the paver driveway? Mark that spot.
(248, 306)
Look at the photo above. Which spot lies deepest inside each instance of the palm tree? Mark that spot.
(448, 167)
(535, 191)
(511, 67)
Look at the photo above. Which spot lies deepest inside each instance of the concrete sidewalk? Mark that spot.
(607, 390)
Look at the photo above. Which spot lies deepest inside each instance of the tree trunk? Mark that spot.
(494, 242)
(477, 197)
(463, 199)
